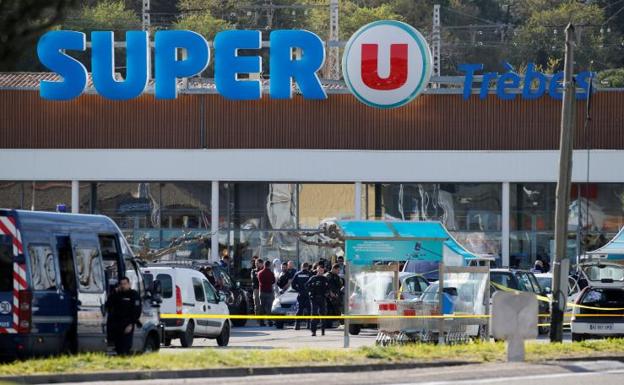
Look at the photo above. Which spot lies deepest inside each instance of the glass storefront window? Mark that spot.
(460, 206)
(319, 202)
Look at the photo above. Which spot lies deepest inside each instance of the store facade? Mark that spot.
(260, 177)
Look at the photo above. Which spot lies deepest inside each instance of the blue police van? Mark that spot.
(56, 272)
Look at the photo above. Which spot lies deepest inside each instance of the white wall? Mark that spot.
(304, 165)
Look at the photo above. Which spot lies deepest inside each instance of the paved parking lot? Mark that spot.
(256, 337)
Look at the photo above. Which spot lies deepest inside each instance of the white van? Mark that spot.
(187, 291)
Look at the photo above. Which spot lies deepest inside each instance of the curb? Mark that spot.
(225, 372)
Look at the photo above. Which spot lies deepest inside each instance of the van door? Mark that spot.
(91, 319)
(215, 307)
(200, 307)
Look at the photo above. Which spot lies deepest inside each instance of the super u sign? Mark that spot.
(386, 64)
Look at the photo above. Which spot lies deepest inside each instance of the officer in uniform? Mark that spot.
(318, 288)
(303, 300)
(124, 310)
(334, 301)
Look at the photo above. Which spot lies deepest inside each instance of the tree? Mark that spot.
(613, 78)
(107, 15)
(351, 18)
(542, 36)
(22, 22)
(203, 23)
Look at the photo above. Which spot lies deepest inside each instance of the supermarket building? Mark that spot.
(258, 177)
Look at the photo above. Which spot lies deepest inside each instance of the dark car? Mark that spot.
(523, 280)
(238, 299)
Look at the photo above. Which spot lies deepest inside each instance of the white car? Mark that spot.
(593, 301)
(187, 291)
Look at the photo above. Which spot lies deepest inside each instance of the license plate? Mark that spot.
(601, 327)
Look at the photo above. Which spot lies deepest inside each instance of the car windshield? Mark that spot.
(545, 282)
(606, 298)
(504, 279)
(600, 272)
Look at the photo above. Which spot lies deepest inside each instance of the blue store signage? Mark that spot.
(386, 64)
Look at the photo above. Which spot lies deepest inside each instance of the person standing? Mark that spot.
(124, 310)
(303, 299)
(341, 265)
(266, 280)
(334, 301)
(318, 288)
(255, 284)
(283, 280)
(225, 262)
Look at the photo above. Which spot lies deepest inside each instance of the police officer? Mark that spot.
(124, 311)
(318, 288)
(303, 299)
(334, 301)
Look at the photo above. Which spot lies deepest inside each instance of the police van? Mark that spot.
(56, 272)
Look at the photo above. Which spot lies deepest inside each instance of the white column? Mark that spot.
(358, 201)
(75, 196)
(505, 224)
(214, 221)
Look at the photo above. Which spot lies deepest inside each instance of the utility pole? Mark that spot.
(145, 16)
(436, 41)
(561, 262)
(333, 64)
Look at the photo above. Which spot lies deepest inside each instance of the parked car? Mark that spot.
(372, 287)
(285, 305)
(598, 300)
(239, 300)
(187, 291)
(523, 280)
(56, 273)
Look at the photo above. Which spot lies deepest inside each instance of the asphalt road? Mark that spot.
(255, 337)
(569, 373)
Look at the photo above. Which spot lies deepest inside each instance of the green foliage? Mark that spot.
(220, 358)
(542, 37)
(203, 23)
(352, 17)
(107, 15)
(613, 78)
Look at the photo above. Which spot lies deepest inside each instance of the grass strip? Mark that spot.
(232, 358)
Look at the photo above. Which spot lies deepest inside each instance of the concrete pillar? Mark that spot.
(358, 201)
(505, 224)
(75, 196)
(214, 222)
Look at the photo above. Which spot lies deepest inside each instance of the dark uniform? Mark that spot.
(303, 299)
(334, 301)
(318, 288)
(124, 308)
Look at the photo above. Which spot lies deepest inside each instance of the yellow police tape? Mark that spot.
(355, 316)
(570, 304)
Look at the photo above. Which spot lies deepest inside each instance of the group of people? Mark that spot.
(318, 286)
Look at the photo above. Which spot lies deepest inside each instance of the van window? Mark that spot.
(210, 293)
(166, 285)
(199, 290)
(504, 279)
(90, 270)
(42, 269)
(6, 263)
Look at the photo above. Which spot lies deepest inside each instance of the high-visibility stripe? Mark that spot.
(8, 226)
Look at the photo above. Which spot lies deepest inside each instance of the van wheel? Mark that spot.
(354, 330)
(186, 339)
(152, 345)
(224, 338)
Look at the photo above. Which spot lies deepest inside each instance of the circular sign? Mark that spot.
(5, 307)
(386, 64)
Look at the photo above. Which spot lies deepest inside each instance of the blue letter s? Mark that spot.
(74, 74)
